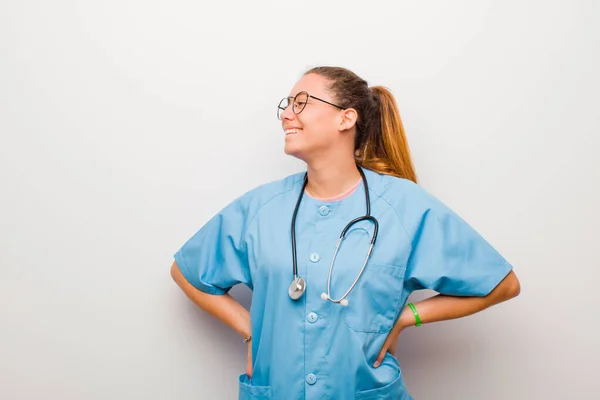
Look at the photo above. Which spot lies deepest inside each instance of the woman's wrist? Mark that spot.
(407, 317)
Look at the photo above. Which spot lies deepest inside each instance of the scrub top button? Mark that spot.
(312, 317)
(324, 210)
(314, 257)
(311, 379)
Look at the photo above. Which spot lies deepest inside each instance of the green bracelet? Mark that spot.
(414, 310)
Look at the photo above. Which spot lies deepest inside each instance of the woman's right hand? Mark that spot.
(224, 307)
(249, 363)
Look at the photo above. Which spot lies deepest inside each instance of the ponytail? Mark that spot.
(385, 148)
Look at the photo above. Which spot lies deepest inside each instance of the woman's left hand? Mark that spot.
(390, 342)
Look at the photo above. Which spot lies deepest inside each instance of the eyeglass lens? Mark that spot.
(299, 104)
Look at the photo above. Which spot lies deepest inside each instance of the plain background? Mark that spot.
(125, 125)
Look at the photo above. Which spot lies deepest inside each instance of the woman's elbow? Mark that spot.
(176, 274)
(511, 287)
(515, 287)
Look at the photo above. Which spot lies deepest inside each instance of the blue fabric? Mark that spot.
(421, 244)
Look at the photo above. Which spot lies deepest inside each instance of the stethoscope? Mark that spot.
(298, 285)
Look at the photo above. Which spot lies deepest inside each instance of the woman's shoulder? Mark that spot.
(259, 196)
(409, 199)
(394, 188)
(272, 188)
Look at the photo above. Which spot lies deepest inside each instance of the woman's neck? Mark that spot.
(331, 179)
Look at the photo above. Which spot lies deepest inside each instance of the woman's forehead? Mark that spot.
(314, 84)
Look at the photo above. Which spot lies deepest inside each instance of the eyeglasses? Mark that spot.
(299, 102)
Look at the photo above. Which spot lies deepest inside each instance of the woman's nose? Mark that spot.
(288, 113)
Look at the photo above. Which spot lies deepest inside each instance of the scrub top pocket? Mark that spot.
(393, 391)
(249, 392)
(374, 302)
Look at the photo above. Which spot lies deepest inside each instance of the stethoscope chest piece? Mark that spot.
(297, 288)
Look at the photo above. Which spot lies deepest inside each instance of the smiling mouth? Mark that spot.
(292, 131)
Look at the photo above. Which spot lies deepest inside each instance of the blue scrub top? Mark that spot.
(316, 349)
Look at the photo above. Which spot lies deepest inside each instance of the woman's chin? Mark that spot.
(294, 151)
(290, 148)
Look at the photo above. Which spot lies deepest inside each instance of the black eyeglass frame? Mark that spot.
(279, 107)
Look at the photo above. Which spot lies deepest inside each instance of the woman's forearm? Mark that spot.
(223, 307)
(441, 307)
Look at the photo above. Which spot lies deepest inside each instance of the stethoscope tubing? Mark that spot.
(367, 216)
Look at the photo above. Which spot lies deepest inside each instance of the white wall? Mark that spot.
(125, 125)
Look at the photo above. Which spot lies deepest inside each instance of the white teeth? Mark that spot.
(288, 131)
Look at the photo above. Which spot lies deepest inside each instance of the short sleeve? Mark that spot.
(449, 256)
(215, 258)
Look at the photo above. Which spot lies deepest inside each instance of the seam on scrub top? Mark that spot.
(397, 217)
(250, 195)
(406, 282)
(262, 206)
(502, 263)
(385, 185)
(198, 283)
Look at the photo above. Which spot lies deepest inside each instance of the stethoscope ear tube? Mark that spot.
(294, 256)
(363, 218)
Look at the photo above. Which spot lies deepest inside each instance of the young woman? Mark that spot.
(332, 254)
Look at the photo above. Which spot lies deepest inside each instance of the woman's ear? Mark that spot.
(348, 119)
